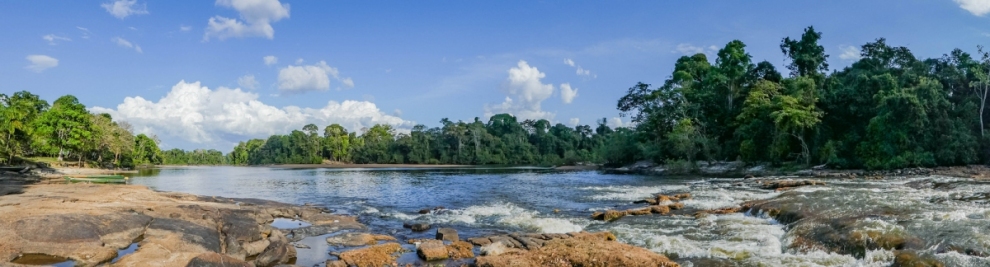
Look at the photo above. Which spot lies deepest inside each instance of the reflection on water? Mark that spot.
(487, 200)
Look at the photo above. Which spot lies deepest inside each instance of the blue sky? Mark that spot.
(194, 72)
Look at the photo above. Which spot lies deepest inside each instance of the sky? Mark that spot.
(204, 74)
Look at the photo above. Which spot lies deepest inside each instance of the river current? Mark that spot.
(484, 201)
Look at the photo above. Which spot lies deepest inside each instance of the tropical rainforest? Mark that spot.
(889, 109)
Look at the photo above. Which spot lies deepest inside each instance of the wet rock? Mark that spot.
(279, 250)
(357, 239)
(460, 250)
(637, 212)
(447, 234)
(507, 241)
(212, 259)
(912, 259)
(376, 256)
(584, 249)
(676, 206)
(419, 227)
(612, 215)
(432, 250)
(789, 183)
(304, 246)
(479, 241)
(657, 209)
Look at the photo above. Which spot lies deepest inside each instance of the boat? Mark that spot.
(97, 179)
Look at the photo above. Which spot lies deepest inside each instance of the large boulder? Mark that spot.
(373, 256)
(447, 234)
(583, 249)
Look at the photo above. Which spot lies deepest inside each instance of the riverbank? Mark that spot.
(737, 169)
(130, 225)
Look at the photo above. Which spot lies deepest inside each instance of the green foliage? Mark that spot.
(887, 110)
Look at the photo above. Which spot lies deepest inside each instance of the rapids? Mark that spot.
(941, 218)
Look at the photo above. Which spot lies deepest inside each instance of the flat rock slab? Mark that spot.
(89, 223)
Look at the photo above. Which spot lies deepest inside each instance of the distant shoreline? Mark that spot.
(402, 166)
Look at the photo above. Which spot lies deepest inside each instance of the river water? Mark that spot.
(477, 202)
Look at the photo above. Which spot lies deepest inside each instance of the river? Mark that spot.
(940, 211)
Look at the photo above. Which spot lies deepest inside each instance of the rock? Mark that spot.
(278, 251)
(682, 196)
(584, 249)
(676, 206)
(377, 255)
(337, 263)
(789, 183)
(649, 201)
(498, 248)
(460, 250)
(507, 241)
(637, 212)
(611, 215)
(479, 241)
(357, 239)
(424, 211)
(911, 259)
(419, 227)
(657, 209)
(211, 259)
(304, 246)
(432, 250)
(447, 234)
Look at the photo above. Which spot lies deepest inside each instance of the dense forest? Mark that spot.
(887, 110)
(64, 129)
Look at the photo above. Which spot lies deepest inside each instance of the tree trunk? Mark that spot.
(983, 102)
(60, 153)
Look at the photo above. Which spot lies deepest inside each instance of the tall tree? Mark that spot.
(66, 125)
(808, 58)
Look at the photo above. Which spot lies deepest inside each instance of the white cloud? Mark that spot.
(124, 8)
(347, 82)
(524, 84)
(248, 81)
(185, 28)
(85, 32)
(583, 72)
(690, 50)
(270, 60)
(125, 43)
(299, 61)
(616, 122)
(567, 94)
(132, 28)
(580, 71)
(300, 79)
(40, 63)
(850, 53)
(575, 121)
(53, 39)
(976, 7)
(219, 118)
(257, 16)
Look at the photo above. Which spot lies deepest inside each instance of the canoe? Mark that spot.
(118, 177)
(97, 180)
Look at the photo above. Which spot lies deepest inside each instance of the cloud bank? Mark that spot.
(219, 118)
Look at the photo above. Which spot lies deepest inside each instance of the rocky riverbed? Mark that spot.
(127, 225)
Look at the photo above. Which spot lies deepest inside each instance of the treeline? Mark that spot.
(887, 110)
(31, 127)
(502, 140)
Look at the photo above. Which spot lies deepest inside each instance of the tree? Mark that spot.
(66, 125)
(808, 58)
(146, 150)
(17, 114)
(982, 85)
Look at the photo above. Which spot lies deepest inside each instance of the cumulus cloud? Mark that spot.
(525, 94)
(53, 39)
(256, 18)
(616, 122)
(124, 8)
(270, 60)
(567, 94)
(976, 7)
(248, 81)
(193, 113)
(125, 43)
(300, 79)
(575, 121)
(850, 53)
(41, 63)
